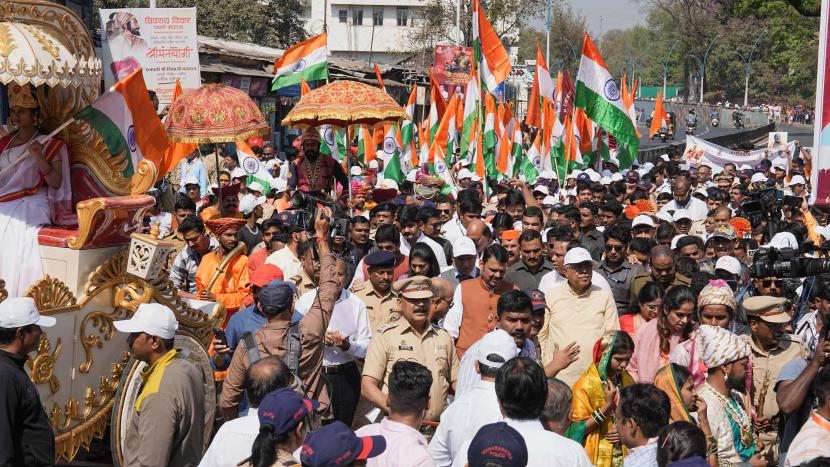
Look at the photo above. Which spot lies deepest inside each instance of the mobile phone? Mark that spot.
(793, 201)
(220, 335)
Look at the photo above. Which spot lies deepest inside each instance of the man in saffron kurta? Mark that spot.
(232, 285)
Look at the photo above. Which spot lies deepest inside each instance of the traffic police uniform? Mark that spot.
(399, 341)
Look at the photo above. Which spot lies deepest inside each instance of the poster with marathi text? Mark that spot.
(160, 40)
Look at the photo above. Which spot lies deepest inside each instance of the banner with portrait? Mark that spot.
(451, 69)
(701, 152)
(162, 41)
(820, 176)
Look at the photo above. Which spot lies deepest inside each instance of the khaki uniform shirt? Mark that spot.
(434, 349)
(766, 366)
(643, 279)
(302, 282)
(382, 309)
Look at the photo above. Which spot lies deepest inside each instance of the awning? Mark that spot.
(29, 54)
(215, 66)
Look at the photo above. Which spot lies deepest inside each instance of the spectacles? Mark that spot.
(614, 247)
(444, 211)
(768, 282)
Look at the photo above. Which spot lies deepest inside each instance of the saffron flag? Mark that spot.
(660, 118)
(176, 151)
(542, 87)
(304, 87)
(597, 93)
(366, 149)
(306, 60)
(380, 78)
(490, 56)
(437, 107)
(127, 122)
(256, 170)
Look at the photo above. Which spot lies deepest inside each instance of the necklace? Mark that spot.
(313, 171)
(737, 414)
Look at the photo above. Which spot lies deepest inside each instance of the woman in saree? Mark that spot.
(676, 382)
(34, 191)
(595, 395)
(648, 304)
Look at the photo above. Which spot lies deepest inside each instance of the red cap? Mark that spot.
(265, 274)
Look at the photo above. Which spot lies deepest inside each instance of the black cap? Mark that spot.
(380, 258)
(497, 444)
(277, 294)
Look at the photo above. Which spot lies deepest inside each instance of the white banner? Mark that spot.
(701, 152)
(160, 40)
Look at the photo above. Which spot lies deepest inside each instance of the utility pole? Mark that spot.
(747, 61)
(666, 66)
(547, 36)
(703, 66)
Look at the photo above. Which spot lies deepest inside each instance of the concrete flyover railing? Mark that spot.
(751, 119)
(652, 153)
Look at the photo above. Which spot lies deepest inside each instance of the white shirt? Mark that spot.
(404, 445)
(454, 229)
(544, 448)
(553, 278)
(286, 261)
(232, 443)
(697, 208)
(452, 321)
(350, 319)
(432, 244)
(468, 377)
(462, 420)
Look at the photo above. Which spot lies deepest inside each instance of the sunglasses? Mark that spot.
(768, 282)
(614, 247)
(444, 211)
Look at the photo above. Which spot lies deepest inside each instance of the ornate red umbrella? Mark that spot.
(214, 113)
(344, 103)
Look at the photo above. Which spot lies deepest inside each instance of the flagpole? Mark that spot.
(547, 36)
(41, 140)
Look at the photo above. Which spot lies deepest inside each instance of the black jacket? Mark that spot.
(26, 438)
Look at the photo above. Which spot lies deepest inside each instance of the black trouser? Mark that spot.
(344, 390)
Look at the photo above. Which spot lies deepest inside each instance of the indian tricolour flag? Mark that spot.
(410, 152)
(472, 103)
(490, 56)
(127, 122)
(306, 60)
(253, 167)
(597, 93)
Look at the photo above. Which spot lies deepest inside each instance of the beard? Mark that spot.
(735, 383)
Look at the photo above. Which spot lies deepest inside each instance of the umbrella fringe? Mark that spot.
(216, 139)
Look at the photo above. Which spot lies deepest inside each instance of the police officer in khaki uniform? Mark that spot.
(411, 338)
(771, 350)
(309, 273)
(376, 293)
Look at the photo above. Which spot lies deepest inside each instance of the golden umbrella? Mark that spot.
(344, 103)
(214, 113)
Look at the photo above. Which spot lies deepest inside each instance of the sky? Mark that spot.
(604, 15)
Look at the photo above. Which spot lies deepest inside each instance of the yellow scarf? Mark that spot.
(152, 376)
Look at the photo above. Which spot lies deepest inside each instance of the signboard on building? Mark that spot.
(451, 68)
(820, 176)
(160, 40)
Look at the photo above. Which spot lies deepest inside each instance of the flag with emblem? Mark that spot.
(306, 60)
(442, 149)
(490, 56)
(366, 149)
(531, 163)
(253, 167)
(472, 103)
(334, 142)
(407, 132)
(128, 124)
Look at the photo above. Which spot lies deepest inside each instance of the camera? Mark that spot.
(339, 227)
(788, 262)
(305, 210)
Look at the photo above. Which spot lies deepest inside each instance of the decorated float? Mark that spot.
(98, 269)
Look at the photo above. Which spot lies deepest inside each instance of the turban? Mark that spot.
(717, 292)
(311, 134)
(227, 191)
(219, 226)
(720, 346)
(510, 235)
(359, 188)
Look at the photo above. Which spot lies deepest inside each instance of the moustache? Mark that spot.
(518, 333)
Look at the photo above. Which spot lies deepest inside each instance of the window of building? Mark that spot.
(357, 17)
(377, 16)
(403, 16)
(343, 16)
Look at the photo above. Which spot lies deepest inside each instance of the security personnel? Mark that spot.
(411, 338)
(376, 293)
(771, 350)
(309, 274)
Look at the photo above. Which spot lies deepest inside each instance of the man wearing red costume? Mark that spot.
(314, 173)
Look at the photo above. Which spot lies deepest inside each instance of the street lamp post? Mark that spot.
(747, 61)
(666, 66)
(700, 64)
(703, 66)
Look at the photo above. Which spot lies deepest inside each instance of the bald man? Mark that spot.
(442, 291)
(662, 272)
(480, 234)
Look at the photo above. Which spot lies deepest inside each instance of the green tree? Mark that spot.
(273, 23)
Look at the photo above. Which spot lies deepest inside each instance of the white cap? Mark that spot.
(16, 312)
(758, 177)
(191, 180)
(616, 177)
(594, 177)
(411, 176)
(779, 166)
(548, 201)
(464, 246)
(797, 180)
(475, 178)
(745, 167)
(681, 214)
(675, 239)
(823, 231)
(729, 264)
(577, 255)
(665, 216)
(605, 181)
(783, 240)
(256, 186)
(541, 189)
(665, 157)
(249, 202)
(154, 319)
(280, 185)
(647, 166)
(388, 183)
(545, 234)
(576, 173)
(373, 164)
(613, 160)
(238, 173)
(643, 219)
(496, 342)
(356, 171)
(464, 173)
(548, 175)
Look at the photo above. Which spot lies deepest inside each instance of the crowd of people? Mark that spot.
(613, 318)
